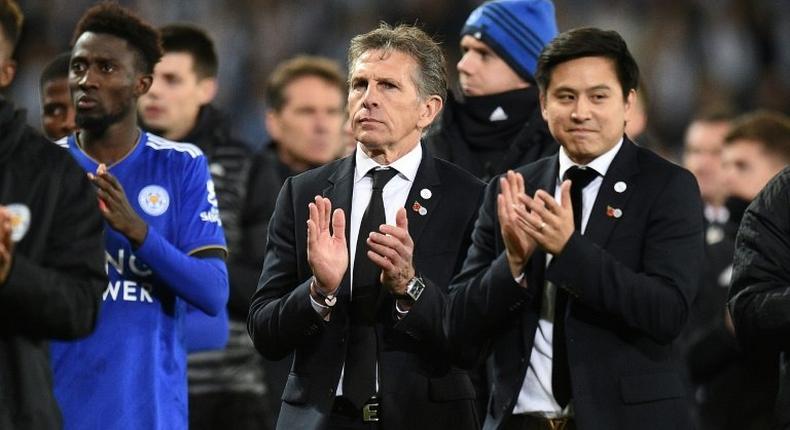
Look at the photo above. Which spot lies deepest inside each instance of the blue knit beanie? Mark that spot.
(517, 30)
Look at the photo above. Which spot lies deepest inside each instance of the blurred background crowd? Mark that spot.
(694, 54)
(704, 63)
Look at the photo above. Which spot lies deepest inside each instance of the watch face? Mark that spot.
(415, 287)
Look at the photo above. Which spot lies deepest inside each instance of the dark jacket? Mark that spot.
(236, 368)
(760, 290)
(57, 277)
(530, 143)
(419, 388)
(631, 280)
(267, 175)
(229, 162)
(729, 390)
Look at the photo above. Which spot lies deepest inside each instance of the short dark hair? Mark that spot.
(299, 67)
(770, 129)
(11, 19)
(714, 114)
(431, 76)
(588, 42)
(194, 41)
(58, 68)
(111, 18)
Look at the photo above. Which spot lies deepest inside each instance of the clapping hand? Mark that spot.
(327, 252)
(6, 244)
(115, 207)
(513, 224)
(550, 223)
(391, 249)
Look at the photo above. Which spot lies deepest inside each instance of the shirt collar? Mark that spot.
(600, 164)
(406, 166)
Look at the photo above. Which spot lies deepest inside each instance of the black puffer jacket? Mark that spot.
(229, 162)
(57, 277)
(760, 289)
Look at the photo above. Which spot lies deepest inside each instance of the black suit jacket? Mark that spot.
(418, 387)
(630, 280)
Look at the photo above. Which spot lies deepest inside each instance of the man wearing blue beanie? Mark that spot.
(496, 125)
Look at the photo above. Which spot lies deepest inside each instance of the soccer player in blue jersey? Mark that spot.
(165, 246)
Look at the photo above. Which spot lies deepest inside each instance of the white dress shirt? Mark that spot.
(536, 396)
(717, 214)
(394, 195)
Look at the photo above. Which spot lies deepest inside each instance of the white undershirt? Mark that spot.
(394, 195)
(536, 397)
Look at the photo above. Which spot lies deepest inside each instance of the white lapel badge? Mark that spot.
(613, 212)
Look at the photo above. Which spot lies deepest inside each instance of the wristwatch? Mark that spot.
(413, 289)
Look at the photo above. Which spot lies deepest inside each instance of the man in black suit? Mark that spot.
(364, 316)
(614, 252)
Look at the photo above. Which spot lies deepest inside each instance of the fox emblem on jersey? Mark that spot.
(20, 220)
(154, 200)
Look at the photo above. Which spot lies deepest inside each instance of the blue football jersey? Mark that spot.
(131, 372)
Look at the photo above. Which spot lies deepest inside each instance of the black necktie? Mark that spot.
(359, 380)
(560, 376)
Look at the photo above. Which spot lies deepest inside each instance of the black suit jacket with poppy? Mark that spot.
(630, 280)
(419, 389)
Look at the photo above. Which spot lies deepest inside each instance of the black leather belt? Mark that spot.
(532, 422)
(370, 412)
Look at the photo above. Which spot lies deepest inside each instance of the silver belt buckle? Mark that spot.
(370, 412)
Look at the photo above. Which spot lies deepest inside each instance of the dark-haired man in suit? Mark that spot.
(583, 264)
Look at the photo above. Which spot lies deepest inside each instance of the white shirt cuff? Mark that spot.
(324, 311)
(401, 314)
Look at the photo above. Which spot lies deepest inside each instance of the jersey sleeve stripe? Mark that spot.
(203, 248)
(63, 142)
(160, 143)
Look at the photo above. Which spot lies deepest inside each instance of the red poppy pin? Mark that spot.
(613, 212)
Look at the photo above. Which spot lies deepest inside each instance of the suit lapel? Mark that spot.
(617, 187)
(545, 178)
(338, 191)
(424, 197)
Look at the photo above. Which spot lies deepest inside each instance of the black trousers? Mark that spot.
(242, 411)
(347, 417)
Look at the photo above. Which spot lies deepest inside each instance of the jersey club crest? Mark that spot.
(154, 200)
